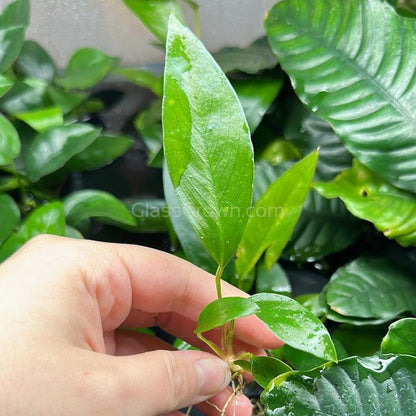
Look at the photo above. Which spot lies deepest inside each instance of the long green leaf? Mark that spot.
(354, 387)
(155, 14)
(401, 338)
(295, 325)
(369, 197)
(352, 62)
(42, 119)
(13, 23)
(9, 141)
(207, 144)
(48, 219)
(371, 288)
(274, 216)
(53, 148)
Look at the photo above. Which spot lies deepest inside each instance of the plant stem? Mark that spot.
(197, 21)
(218, 276)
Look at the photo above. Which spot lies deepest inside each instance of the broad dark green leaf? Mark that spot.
(274, 216)
(190, 243)
(86, 68)
(25, 96)
(369, 197)
(224, 310)
(308, 132)
(51, 150)
(354, 387)
(324, 227)
(43, 118)
(295, 325)
(207, 144)
(9, 141)
(13, 22)
(66, 101)
(265, 369)
(155, 14)
(274, 280)
(96, 204)
(9, 215)
(47, 219)
(371, 288)
(351, 63)
(401, 338)
(405, 8)
(142, 78)
(35, 62)
(5, 85)
(152, 215)
(104, 150)
(251, 60)
(256, 96)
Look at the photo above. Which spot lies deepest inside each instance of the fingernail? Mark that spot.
(213, 374)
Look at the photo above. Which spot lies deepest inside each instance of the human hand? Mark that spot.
(61, 352)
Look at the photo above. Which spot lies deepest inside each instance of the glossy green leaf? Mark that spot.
(142, 78)
(42, 119)
(295, 325)
(251, 60)
(313, 302)
(265, 369)
(354, 387)
(256, 96)
(47, 219)
(369, 197)
(182, 345)
(86, 68)
(207, 146)
(349, 62)
(190, 243)
(308, 132)
(66, 101)
(53, 148)
(155, 14)
(301, 360)
(9, 141)
(353, 321)
(9, 214)
(274, 216)
(401, 338)
(224, 310)
(25, 96)
(279, 151)
(324, 227)
(5, 85)
(35, 62)
(104, 150)
(405, 8)
(371, 288)
(13, 22)
(274, 280)
(152, 215)
(96, 204)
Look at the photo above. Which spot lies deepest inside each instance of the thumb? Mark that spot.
(160, 382)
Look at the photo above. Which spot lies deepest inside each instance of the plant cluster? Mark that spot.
(248, 197)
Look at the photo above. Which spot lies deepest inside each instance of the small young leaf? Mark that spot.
(354, 387)
(43, 118)
(371, 288)
(207, 144)
(9, 141)
(13, 22)
(53, 148)
(104, 150)
(224, 310)
(265, 369)
(155, 14)
(295, 325)
(9, 214)
(401, 338)
(274, 216)
(86, 68)
(142, 78)
(48, 219)
(369, 197)
(35, 62)
(256, 96)
(96, 204)
(66, 101)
